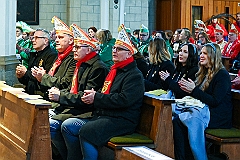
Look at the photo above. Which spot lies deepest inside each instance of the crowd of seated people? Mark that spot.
(96, 82)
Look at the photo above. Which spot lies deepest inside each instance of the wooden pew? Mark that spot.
(228, 140)
(226, 62)
(155, 124)
(24, 128)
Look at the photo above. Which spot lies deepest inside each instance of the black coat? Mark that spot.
(172, 83)
(116, 113)
(45, 59)
(153, 80)
(91, 74)
(218, 97)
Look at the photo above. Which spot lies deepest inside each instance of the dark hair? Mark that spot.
(162, 34)
(204, 34)
(136, 31)
(93, 28)
(20, 28)
(192, 59)
(178, 30)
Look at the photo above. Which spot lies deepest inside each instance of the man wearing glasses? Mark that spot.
(232, 48)
(90, 73)
(60, 75)
(43, 57)
(144, 40)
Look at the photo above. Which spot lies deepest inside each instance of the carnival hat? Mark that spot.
(144, 29)
(219, 29)
(199, 25)
(25, 27)
(124, 40)
(60, 26)
(82, 37)
(233, 29)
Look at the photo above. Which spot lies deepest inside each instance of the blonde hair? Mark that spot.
(103, 36)
(158, 51)
(205, 75)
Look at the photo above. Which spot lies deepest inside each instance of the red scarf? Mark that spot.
(74, 88)
(111, 75)
(61, 57)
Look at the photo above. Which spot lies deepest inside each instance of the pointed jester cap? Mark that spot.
(124, 40)
(60, 26)
(233, 29)
(82, 37)
(25, 27)
(218, 29)
(144, 29)
(199, 25)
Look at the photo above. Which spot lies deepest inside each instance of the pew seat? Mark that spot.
(227, 141)
(155, 123)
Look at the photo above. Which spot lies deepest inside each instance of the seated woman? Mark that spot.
(202, 39)
(117, 106)
(213, 88)
(186, 67)
(106, 43)
(159, 58)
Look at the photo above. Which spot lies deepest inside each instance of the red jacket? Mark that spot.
(233, 50)
(211, 30)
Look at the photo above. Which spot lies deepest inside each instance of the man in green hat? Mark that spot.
(144, 40)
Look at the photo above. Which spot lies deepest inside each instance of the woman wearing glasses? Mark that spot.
(213, 88)
(159, 58)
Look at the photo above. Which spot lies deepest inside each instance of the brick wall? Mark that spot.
(86, 13)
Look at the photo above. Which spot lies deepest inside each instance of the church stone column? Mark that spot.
(8, 61)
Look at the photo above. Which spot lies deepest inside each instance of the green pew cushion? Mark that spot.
(132, 138)
(224, 133)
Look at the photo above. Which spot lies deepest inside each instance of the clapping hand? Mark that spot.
(88, 96)
(164, 75)
(186, 85)
(38, 72)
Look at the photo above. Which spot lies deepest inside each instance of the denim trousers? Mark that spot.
(65, 137)
(195, 120)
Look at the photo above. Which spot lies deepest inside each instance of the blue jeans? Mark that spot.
(65, 137)
(89, 151)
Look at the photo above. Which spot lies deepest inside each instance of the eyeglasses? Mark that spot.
(118, 49)
(35, 37)
(79, 47)
(143, 35)
(200, 37)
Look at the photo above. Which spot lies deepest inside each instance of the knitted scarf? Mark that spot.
(74, 87)
(111, 75)
(61, 57)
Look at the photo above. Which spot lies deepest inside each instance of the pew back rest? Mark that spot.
(21, 126)
(236, 110)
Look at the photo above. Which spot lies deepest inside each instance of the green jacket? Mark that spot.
(25, 44)
(106, 52)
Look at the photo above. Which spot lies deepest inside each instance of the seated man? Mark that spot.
(62, 69)
(219, 37)
(89, 73)
(43, 57)
(232, 48)
(118, 105)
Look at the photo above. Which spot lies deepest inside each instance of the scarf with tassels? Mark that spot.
(74, 87)
(61, 57)
(111, 75)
